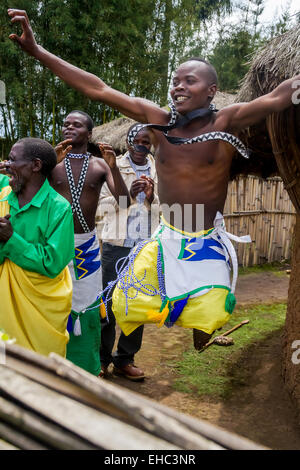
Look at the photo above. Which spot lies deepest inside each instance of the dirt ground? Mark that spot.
(261, 410)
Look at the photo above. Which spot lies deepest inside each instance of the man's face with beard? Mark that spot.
(18, 168)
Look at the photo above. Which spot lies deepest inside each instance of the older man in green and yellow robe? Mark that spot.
(35, 283)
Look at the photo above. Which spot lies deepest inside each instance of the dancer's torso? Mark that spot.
(191, 175)
(95, 178)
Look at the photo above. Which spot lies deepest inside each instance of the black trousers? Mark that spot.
(129, 345)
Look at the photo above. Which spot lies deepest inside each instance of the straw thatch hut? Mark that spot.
(276, 145)
(115, 132)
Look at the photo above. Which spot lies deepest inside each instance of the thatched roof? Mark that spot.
(277, 61)
(115, 132)
(275, 142)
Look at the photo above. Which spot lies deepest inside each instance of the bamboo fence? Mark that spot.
(262, 209)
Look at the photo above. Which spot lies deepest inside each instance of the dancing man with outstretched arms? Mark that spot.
(183, 274)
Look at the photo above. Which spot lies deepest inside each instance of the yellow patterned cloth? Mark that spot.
(4, 206)
(34, 308)
(205, 312)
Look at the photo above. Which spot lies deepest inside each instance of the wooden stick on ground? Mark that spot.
(224, 334)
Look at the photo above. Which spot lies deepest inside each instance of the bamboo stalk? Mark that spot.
(137, 407)
(86, 422)
(18, 439)
(6, 446)
(257, 212)
(37, 428)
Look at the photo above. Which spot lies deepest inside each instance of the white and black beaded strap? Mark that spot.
(173, 123)
(174, 115)
(217, 135)
(76, 191)
(76, 155)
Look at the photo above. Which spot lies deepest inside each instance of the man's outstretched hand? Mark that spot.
(27, 40)
(62, 149)
(108, 154)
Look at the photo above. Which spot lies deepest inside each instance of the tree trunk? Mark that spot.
(291, 337)
(283, 131)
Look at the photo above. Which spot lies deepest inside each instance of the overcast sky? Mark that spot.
(276, 7)
(273, 9)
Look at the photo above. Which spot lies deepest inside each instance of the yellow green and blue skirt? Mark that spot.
(179, 278)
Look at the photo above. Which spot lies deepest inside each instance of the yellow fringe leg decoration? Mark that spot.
(159, 317)
(102, 310)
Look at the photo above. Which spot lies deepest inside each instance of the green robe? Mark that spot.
(43, 236)
(4, 181)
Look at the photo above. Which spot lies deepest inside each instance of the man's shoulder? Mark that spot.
(58, 172)
(97, 163)
(57, 200)
(223, 116)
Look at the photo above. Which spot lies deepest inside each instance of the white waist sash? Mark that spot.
(195, 263)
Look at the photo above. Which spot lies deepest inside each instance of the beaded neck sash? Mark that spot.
(77, 155)
(178, 122)
(77, 190)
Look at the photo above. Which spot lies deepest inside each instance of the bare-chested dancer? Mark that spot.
(79, 178)
(188, 273)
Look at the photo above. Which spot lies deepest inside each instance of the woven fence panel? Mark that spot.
(262, 209)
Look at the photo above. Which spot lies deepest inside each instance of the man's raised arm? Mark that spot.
(113, 177)
(136, 108)
(242, 115)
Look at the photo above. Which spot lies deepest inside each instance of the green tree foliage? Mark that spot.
(230, 56)
(133, 45)
(235, 45)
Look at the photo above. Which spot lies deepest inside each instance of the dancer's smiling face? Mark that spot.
(75, 127)
(193, 86)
